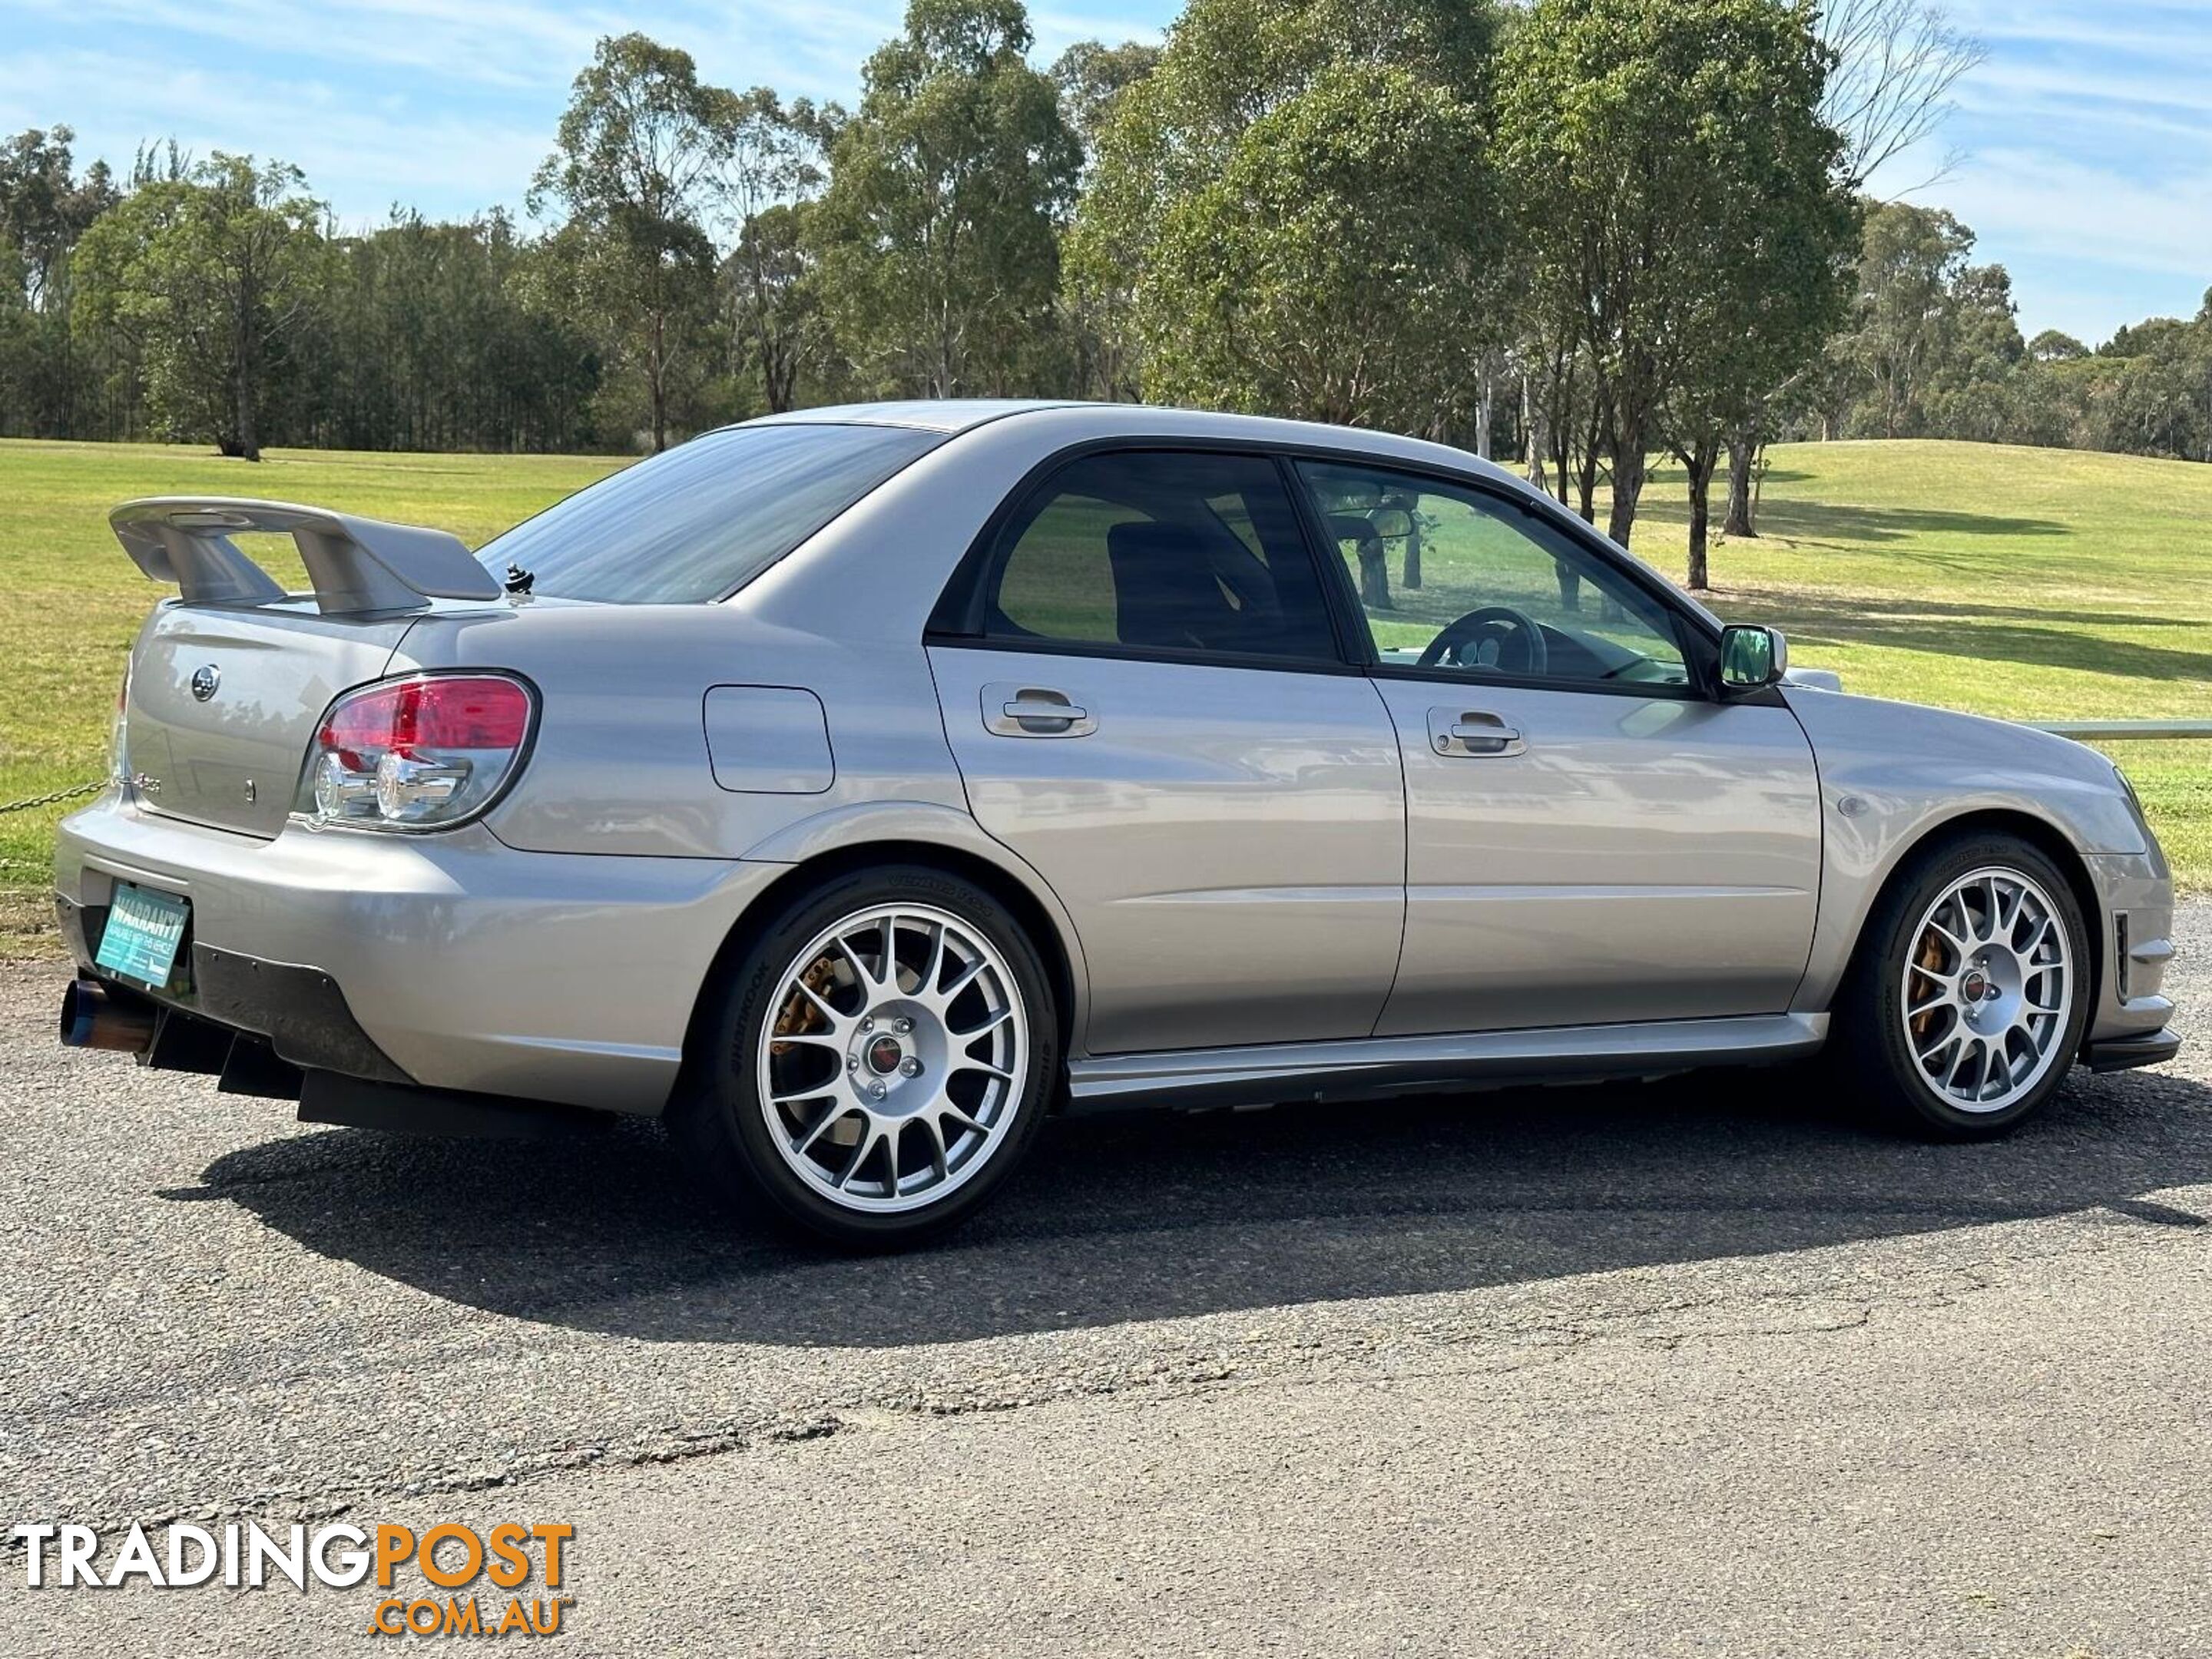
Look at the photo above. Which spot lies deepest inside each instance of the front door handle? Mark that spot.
(1013, 710)
(1474, 734)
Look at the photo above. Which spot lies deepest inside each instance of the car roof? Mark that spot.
(1077, 419)
(946, 415)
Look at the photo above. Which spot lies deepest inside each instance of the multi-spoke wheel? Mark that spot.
(895, 1058)
(886, 1052)
(1987, 988)
(1967, 1001)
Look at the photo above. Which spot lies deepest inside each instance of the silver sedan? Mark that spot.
(855, 789)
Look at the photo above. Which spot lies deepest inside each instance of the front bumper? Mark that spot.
(452, 961)
(2135, 927)
(2125, 1053)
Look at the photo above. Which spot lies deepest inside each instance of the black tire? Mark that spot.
(1871, 1035)
(718, 1120)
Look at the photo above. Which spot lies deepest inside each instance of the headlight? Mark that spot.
(2128, 785)
(2136, 806)
(419, 753)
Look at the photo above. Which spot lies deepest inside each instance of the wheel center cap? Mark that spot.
(885, 1055)
(1975, 987)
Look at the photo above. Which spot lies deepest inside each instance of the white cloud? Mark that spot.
(359, 157)
(492, 42)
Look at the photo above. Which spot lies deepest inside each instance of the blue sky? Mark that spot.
(2084, 142)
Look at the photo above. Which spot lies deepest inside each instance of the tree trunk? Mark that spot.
(656, 380)
(247, 436)
(1627, 487)
(1570, 584)
(1737, 523)
(1586, 485)
(1405, 504)
(1533, 433)
(1486, 407)
(1700, 461)
(1593, 435)
(1373, 574)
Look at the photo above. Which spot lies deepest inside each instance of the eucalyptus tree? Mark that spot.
(937, 237)
(208, 272)
(1299, 205)
(1894, 65)
(45, 205)
(777, 164)
(1655, 146)
(636, 164)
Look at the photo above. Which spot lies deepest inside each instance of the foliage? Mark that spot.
(637, 159)
(1327, 270)
(435, 336)
(207, 275)
(1091, 77)
(777, 165)
(1295, 210)
(937, 236)
(1660, 148)
(1933, 350)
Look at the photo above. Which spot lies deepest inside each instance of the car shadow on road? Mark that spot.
(1152, 1217)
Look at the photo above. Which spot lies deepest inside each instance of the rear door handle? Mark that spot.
(1474, 734)
(1014, 710)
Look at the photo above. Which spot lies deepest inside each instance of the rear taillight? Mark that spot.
(419, 753)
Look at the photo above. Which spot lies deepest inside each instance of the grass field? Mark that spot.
(2019, 582)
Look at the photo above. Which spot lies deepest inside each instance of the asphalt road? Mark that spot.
(1699, 1368)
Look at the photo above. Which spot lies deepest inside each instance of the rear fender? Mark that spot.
(924, 823)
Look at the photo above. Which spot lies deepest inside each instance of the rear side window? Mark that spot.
(700, 520)
(1159, 552)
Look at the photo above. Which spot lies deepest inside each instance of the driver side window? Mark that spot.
(1451, 579)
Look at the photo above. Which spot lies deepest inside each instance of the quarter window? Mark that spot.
(1453, 579)
(1160, 552)
(702, 519)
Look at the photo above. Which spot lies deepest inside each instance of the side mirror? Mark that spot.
(1753, 657)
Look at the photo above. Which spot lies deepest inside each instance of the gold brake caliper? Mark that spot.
(1930, 960)
(799, 1017)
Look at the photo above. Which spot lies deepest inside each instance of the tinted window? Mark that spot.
(1160, 552)
(1455, 580)
(700, 520)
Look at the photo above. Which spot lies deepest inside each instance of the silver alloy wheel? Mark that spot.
(894, 1058)
(1988, 983)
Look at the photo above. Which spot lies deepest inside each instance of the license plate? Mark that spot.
(144, 929)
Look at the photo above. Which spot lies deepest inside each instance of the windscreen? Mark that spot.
(700, 520)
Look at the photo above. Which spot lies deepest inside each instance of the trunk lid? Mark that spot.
(228, 681)
(224, 702)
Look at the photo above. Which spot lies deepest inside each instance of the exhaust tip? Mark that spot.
(92, 1018)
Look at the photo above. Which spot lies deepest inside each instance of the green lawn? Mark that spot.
(2017, 582)
(2027, 583)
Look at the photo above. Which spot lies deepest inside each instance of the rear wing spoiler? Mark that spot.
(355, 564)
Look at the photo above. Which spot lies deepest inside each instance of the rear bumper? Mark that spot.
(451, 961)
(302, 1011)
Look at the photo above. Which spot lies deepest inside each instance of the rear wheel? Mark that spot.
(1966, 1005)
(879, 1061)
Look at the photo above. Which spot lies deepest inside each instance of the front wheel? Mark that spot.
(1967, 1002)
(879, 1061)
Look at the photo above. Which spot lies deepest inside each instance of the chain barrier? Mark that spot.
(51, 799)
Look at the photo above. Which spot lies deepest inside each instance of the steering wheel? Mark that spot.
(1521, 648)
